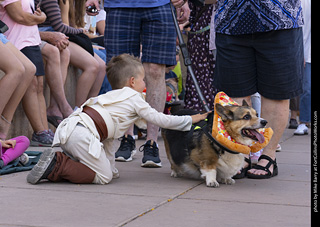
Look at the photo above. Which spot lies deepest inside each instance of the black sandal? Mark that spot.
(265, 168)
(243, 171)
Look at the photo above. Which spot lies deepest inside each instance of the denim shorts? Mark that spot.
(153, 28)
(270, 63)
(3, 38)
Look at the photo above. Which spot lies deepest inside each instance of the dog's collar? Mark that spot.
(204, 127)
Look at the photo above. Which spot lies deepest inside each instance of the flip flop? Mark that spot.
(54, 120)
(265, 168)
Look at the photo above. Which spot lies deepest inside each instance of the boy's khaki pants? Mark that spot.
(77, 146)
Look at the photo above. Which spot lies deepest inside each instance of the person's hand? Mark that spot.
(93, 3)
(183, 14)
(178, 3)
(62, 41)
(98, 47)
(58, 39)
(8, 143)
(41, 15)
(199, 117)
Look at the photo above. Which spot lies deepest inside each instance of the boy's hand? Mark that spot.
(199, 117)
(8, 143)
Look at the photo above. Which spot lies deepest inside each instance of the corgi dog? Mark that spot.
(193, 154)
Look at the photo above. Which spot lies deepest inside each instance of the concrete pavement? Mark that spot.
(150, 197)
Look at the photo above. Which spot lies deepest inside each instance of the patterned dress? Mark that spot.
(203, 62)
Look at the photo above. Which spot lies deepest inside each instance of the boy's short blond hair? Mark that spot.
(121, 68)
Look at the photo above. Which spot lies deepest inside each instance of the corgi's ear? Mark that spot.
(224, 112)
(244, 103)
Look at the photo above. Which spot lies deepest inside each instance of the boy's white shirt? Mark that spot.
(120, 109)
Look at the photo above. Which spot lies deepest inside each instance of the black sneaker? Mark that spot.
(293, 124)
(126, 150)
(150, 155)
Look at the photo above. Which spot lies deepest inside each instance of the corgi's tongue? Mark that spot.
(254, 134)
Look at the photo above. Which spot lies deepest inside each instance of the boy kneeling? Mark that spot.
(102, 119)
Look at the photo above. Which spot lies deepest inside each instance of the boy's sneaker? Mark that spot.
(150, 155)
(42, 139)
(43, 168)
(126, 150)
(23, 159)
(301, 130)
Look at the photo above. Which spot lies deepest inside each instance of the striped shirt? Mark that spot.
(52, 10)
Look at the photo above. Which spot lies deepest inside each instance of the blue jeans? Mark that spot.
(305, 98)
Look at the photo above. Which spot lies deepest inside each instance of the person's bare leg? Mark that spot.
(276, 112)
(31, 106)
(42, 103)
(59, 105)
(19, 60)
(81, 59)
(64, 63)
(13, 71)
(156, 93)
(100, 77)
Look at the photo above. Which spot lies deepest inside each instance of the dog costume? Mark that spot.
(223, 137)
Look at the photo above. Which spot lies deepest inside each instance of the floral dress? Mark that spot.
(203, 62)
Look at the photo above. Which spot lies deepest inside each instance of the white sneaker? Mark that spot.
(24, 159)
(301, 130)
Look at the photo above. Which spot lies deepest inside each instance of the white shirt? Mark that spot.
(120, 109)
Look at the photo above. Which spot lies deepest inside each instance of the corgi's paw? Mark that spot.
(227, 181)
(211, 177)
(174, 174)
(212, 183)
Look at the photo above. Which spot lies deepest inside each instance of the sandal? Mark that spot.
(265, 168)
(54, 120)
(243, 171)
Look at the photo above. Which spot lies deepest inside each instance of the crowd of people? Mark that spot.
(233, 48)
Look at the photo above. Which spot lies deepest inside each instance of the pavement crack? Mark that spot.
(157, 206)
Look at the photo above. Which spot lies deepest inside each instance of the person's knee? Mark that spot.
(154, 72)
(23, 140)
(53, 55)
(103, 178)
(18, 70)
(92, 67)
(30, 70)
(65, 55)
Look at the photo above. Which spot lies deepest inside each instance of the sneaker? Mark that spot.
(50, 132)
(301, 130)
(150, 155)
(43, 168)
(278, 149)
(126, 150)
(23, 159)
(293, 124)
(41, 139)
